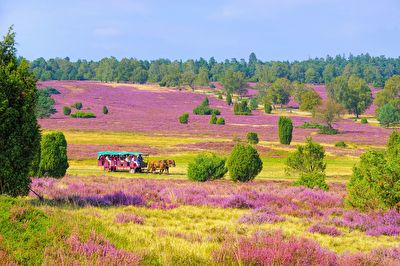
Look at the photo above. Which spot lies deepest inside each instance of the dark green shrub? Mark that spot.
(78, 105)
(364, 120)
(241, 108)
(19, 131)
(267, 108)
(212, 86)
(66, 110)
(105, 110)
(205, 102)
(308, 161)
(253, 104)
(341, 144)
(81, 114)
(213, 119)
(310, 125)
(285, 128)
(206, 166)
(252, 138)
(328, 130)
(220, 121)
(229, 99)
(53, 155)
(244, 163)
(51, 90)
(205, 110)
(220, 96)
(184, 118)
(375, 183)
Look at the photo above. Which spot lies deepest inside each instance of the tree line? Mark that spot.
(375, 70)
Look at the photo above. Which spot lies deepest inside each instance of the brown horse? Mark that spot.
(161, 165)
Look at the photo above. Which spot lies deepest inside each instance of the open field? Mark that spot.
(92, 217)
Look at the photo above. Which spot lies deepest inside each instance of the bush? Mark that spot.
(252, 138)
(341, 144)
(220, 121)
(81, 114)
(220, 96)
(78, 105)
(285, 128)
(244, 163)
(212, 86)
(310, 125)
(267, 108)
(253, 104)
(205, 102)
(53, 155)
(66, 110)
(241, 108)
(206, 166)
(328, 130)
(184, 118)
(213, 119)
(308, 161)
(312, 180)
(51, 90)
(375, 183)
(105, 110)
(205, 110)
(364, 120)
(229, 99)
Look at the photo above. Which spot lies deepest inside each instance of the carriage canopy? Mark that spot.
(119, 153)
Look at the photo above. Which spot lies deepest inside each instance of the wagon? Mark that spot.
(113, 161)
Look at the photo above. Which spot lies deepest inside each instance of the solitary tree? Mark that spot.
(19, 131)
(279, 91)
(234, 82)
(328, 113)
(354, 94)
(53, 157)
(285, 128)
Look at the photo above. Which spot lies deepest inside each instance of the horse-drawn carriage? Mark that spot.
(113, 161)
(134, 162)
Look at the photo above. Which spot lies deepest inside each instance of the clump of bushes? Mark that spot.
(77, 105)
(252, 138)
(66, 110)
(267, 108)
(310, 125)
(341, 144)
(184, 118)
(105, 110)
(206, 166)
(364, 120)
(220, 121)
(204, 109)
(285, 128)
(244, 163)
(375, 183)
(308, 161)
(81, 114)
(328, 130)
(241, 108)
(53, 155)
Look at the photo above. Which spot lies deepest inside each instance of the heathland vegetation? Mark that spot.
(304, 180)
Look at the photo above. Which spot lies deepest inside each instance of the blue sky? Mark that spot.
(273, 29)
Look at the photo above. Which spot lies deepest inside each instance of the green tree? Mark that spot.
(252, 138)
(241, 108)
(354, 94)
(44, 104)
(328, 113)
(253, 104)
(19, 131)
(389, 94)
(308, 161)
(228, 99)
(202, 77)
(53, 155)
(388, 115)
(188, 78)
(206, 166)
(244, 163)
(234, 82)
(311, 75)
(279, 91)
(285, 128)
(309, 100)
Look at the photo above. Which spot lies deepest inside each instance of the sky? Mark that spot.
(272, 29)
